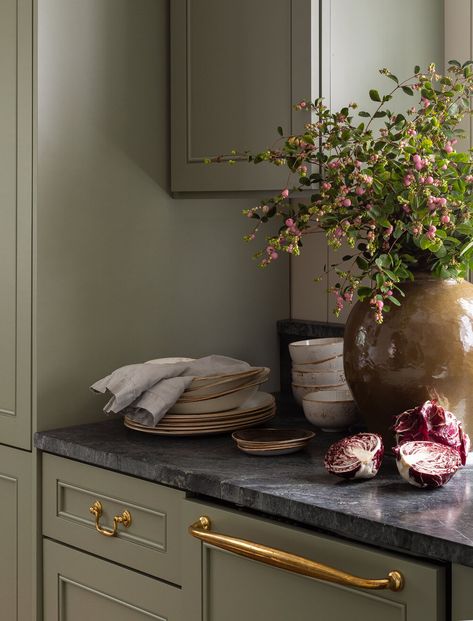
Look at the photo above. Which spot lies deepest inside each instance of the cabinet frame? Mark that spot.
(189, 171)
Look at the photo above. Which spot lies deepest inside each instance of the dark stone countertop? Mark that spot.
(384, 511)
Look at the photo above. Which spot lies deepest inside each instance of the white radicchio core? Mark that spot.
(431, 422)
(426, 464)
(355, 457)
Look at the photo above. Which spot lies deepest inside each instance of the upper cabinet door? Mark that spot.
(15, 221)
(237, 68)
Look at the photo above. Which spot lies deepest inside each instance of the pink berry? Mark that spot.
(379, 304)
(360, 191)
(429, 179)
(289, 222)
(285, 193)
(416, 158)
(346, 202)
(445, 219)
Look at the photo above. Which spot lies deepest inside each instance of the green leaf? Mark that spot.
(362, 263)
(280, 132)
(364, 292)
(374, 95)
(383, 261)
(391, 275)
(454, 62)
(379, 115)
(408, 90)
(391, 76)
(466, 247)
(416, 69)
(363, 113)
(394, 300)
(425, 242)
(347, 257)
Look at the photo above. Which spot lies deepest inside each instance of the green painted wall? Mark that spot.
(124, 271)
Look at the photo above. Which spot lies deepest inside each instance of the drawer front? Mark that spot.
(462, 601)
(78, 586)
(151, 541)
(234, 587)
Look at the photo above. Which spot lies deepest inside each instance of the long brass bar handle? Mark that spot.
(291, 562)
(124, 518)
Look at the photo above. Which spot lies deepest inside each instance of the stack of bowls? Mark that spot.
(317, 364)
(319, 385)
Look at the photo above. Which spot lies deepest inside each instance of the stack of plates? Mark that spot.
(257, 409)
(266, 442)
(218, 393)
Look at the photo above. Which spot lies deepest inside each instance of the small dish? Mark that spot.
(267, 442)
(315, 350)
(330, 410)
(300, 391)
(331, 364)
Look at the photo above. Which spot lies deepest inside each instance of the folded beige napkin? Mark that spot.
(145, 392)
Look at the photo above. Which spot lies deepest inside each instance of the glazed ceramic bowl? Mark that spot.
(330, 410)
(314, 378)
(299, 391)
(315, 350)
(331, 364)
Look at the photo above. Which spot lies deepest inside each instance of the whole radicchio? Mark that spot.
(355, 457)
(426, 464)
(431, 422)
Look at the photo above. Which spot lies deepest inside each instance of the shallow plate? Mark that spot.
(198, 423)
(273, 436)
(222, 385)
(199, 432)
(271, 452)
(220, 391)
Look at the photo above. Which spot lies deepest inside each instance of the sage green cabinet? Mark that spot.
(219, 585)
(16, 536)
(236, 70)
(79, 586)
(462, 586)
(16, 79)
(151, 542)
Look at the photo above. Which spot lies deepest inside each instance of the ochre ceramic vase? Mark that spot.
(423, 350)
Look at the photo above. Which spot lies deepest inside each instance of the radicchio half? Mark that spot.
(426, 464)
(431, 421)
(355, 457)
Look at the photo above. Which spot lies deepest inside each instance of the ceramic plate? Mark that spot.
(203, 430)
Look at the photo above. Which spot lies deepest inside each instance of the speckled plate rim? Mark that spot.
(300, 435)
(199, 425)
(200, 432)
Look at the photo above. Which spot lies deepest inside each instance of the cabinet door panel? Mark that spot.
(15, 220)
(235, 76)
(233, 588)
(78, 586)
(16, 546)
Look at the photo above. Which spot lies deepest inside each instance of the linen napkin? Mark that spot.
(146, 391)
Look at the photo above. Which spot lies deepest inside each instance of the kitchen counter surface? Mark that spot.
(384, 511)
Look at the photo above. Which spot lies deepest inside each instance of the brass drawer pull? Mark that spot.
(291, 562)
(124, 518)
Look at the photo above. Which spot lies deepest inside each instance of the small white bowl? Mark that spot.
(332, 410)
(331, 364)
(314, 378)
(300, 391)
(315, 350)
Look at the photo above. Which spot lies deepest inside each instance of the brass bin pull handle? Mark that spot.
(124, 518)
(291, 562)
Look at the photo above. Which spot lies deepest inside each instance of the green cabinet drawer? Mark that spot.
(220, 585)
(78, 586)
(150, 543)
(462, 585)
